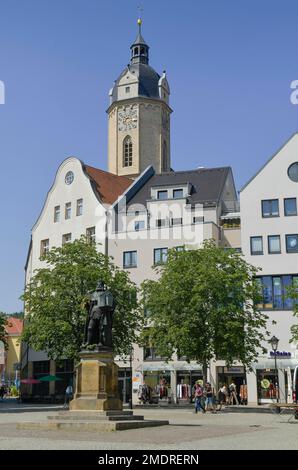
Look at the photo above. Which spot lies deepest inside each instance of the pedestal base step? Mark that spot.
(81, 416)
(100, 426)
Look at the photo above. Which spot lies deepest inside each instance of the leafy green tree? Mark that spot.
(3, 324)
(56, 297)
(292, 292)
(204, 306)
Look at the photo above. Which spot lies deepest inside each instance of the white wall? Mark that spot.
(60, 194)
(272, 182)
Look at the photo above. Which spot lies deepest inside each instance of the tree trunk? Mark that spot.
(205, 367)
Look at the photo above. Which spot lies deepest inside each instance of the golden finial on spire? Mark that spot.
(140, 21)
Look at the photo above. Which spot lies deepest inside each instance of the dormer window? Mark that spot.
(162, 195)
(127, 89)
(177, 193)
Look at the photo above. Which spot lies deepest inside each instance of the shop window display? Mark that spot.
(185, 383)
(236, 376)
(156, 388)
(267, 386)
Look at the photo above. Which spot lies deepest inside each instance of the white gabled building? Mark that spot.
(269, 235)
(75, 205)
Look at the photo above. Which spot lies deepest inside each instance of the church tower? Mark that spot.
(139, 116)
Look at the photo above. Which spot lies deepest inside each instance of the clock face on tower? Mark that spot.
(127, 118)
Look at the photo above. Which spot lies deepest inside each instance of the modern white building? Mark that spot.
(163, 211)
(269, 238)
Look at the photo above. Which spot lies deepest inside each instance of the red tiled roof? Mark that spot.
(14, 326)
(108, 186)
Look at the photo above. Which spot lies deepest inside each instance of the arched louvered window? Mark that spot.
(127, 151)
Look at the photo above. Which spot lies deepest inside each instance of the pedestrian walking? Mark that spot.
(199, 398)
(233, 394)
(68, 396)
(222, 396)
(208, 392)
(2, 392)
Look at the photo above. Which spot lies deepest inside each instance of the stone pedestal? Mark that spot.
(96, 383)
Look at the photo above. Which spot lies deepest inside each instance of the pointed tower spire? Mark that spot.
(139, 49)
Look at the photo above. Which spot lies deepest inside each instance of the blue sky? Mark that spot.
(229, 63)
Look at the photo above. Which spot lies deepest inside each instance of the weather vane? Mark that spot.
(141, 9)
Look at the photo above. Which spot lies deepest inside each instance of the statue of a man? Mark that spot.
(98, 328)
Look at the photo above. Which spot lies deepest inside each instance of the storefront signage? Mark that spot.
(136, 380)
(234, 370)
(280, 354)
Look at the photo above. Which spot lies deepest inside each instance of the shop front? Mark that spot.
(124, 384)
(275, 384)
(159, 386)
(168, 383)
(233, 375)
(186, 380)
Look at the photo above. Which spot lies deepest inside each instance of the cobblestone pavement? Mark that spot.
(186, 431)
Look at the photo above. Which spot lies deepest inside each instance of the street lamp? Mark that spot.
(274, 345)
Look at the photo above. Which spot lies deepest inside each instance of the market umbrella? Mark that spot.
(30, 381)
(49, 378)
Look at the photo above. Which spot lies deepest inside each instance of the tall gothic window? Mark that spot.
(164, 162)
(127, 151)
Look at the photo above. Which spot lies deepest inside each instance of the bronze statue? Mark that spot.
(99, 324)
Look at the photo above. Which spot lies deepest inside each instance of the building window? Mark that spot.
(293, 172)
(41, 369)
(177, 193)
(44, 247)
(179, 248)
(65, 372)
(176, 221)
(274, 292)
(127, 151)
(197, 220)
(139, 225)
(160, 223)
(66, 238)
(127, 89)
(270, 208)
(80, 207)
(151, 355)
(274, 244)
(69, 177)
(57, 214)
(160, 255)
(256, 245)
(90, 234)
(290, 206)
(68, 210)
(292, 243)
(130, 259)
(162, 195)
(147, 312)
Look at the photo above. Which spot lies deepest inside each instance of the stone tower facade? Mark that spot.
(139, 117)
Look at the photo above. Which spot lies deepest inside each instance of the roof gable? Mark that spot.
(269, 160)
(107, 185)
(14, 326)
